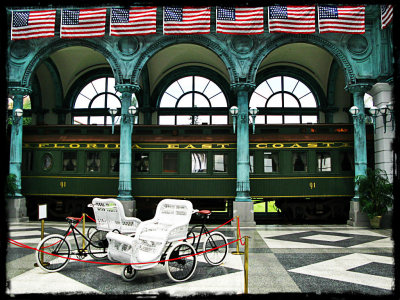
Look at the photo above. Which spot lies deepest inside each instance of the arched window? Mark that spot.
(284, 100)
(193, 100)
(93, 101)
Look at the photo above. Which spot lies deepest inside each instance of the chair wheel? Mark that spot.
(128, 273)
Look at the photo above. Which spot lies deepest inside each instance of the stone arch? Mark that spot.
(60, 44)
(200, 40)
(276, 42)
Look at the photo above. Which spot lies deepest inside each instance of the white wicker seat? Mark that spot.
(169, 224)
(109, 214)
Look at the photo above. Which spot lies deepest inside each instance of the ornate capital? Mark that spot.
(17, 90)
(358, 88)
(243, 86)
(127, 88)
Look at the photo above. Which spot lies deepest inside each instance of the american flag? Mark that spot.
(291, 19)
(342, 19)
(32, 24)
(235, 20)
(186, 20)
(133, 21)
(83, 23)
(386, 15)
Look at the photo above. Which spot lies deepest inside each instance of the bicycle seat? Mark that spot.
(73, 219)
(204, 212)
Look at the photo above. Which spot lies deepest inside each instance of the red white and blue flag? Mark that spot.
(32, 24)
(83, 23)
(186, 20)
(386, 15)
(238, 20)
(341, 19)
(291, 19)
(133, 21)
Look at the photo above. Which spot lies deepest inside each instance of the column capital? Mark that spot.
(358, 88)
(380, 87)
(127, 88)
(243, 86)
(19, 90)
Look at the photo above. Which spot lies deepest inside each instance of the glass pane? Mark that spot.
(81, 102)
(27, 160)
(275, 101)
(219, 119)
(96, 120)
(264, 90)
(301, 89)
(275, 83)
(292, 119)
(347, 161)
(88, 91)
(99, 102)
(251, 162)
(200, 83)
(260, 119)
(219, 100)
(299, 161)
(199, 162)
(309, 119)
(82, 120)
(141, 163)
(167, 101)
(271, 162)
(111, 85)
(69, 160)
(166, 120)
(274, 119)
(184, 120)
(93, 162)
(113, 101)
(324, 161)
(186, 101)
(186, 84)
(47, 162)
(257, 101)
(290, 101)
(99, 85)
(200, 101)
(212, 90)
(308, 101)
(117, 120)
(170, 162)
(220, 162)
(174, 90)
(114, 162)
(289, 83)
(202, 120)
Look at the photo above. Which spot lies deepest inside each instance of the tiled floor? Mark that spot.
(282, 259)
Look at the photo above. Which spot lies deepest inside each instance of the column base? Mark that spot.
(129, 205)
(245, 211)
(16, 209)
(356, 217)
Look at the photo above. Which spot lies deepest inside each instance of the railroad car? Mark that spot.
(305, 170)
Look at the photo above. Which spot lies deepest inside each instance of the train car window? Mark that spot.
(27, 160)
(141, 162)
(251, 163)
(324, 163)
(299, 161)
(346, 161)
(170, 162)
(47, 162)
(199, 162)
(69, 160)
(271, 162)
(114, 162)
(220, 163)
(93, 162)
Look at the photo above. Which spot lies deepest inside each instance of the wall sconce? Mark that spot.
(253, 112)
(130, 116)
(113, 112)
(234, 112)
(375, 112)
(17, 115)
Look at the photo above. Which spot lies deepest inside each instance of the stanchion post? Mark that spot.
(246, 264)
(41, 238)
(237, 252)
(83, 230)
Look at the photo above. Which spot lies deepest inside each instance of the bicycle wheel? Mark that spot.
(98, 245)
(217, 242)
(128, 273)
(56, 252)
(181, 269)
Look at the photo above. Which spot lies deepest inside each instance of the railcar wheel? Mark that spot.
(54, 252)
(218, 243)
(128, 273)
(181, 262)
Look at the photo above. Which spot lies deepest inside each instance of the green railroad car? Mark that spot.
(297, 172)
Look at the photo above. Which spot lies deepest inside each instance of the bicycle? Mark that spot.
(215, 246)
(55, 250)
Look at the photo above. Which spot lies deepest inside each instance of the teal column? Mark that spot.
(360, 150)
(243, 205)
(125, 151)
(17, 203)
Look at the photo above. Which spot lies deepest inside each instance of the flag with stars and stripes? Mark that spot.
(386, 15)
(133, 21)
(238, 20)
(83, 23)
(291, 19)
(32, 24)
(186, 20)
(341, 19)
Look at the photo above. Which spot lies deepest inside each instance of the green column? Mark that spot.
(360, 149)
(17, 203)
(243, 205)
(125, 151)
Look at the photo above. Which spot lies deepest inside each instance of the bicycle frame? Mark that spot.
(203, 230)
(73, 229)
